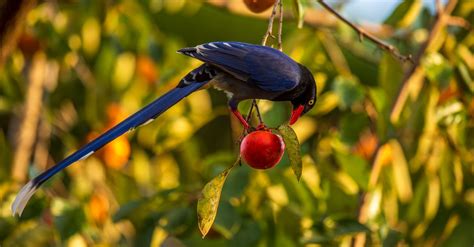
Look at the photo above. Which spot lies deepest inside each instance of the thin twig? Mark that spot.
(280, 27)
(254, 103)
(258, 114)
(363, 33)
(438, 25)
(269, 33)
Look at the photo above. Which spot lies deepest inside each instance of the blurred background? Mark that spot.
(372, 175)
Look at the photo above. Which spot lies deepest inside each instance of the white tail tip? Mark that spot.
(22, 198)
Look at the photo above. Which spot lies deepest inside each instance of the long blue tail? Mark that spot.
(142, 117)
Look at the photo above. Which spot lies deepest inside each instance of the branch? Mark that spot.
(280, 27)
(31, 115)
(313, 18)
(269, 33)
(363, 33)
(12, 19)
(440, 22)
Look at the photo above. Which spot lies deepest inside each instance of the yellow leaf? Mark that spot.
(124, 70)
(433, 198)
(326, 103)
(209, 201)
(91, 36)
(411, 14)
(400, 172)
(305, 128)
(346, 183)
(277, 194)
(312, 177)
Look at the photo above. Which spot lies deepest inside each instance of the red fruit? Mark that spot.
(258, 6)
(262, 149)
(28, 44)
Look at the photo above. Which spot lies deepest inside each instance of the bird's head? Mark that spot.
(307, 99)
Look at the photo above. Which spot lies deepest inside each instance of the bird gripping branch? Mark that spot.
(243, 71)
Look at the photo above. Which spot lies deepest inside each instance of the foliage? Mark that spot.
(409, 181)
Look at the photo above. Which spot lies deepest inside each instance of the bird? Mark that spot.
(242, 70)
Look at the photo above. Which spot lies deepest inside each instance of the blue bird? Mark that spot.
(243, 71)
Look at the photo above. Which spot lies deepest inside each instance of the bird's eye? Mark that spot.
(311, 102)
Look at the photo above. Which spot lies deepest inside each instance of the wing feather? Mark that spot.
(265, 67)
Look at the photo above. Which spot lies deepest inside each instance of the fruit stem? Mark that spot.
(258, 114)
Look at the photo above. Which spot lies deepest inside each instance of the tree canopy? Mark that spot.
(387, 153)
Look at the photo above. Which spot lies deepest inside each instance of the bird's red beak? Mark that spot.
(296, 113)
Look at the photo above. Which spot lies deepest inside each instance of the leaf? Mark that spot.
(292, 148)
(126, 210)
(209, 201)
(351, 126)
(318, 238)
(349, 227)
(464, 74)
(70, 221)
(462, 234)
(228, 221)
(298, 10)
(405, 13)
(438, 69)
(390, 76)
(401, 173)
(249, 234)
(348, 90)
(326, 103)
(392, 238)
(354, 166)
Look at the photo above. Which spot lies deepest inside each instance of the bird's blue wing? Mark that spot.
(268, 68)
(142, 117)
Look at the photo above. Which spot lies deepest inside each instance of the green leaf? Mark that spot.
(462, 234)
(178, 220)
(356, 167)
(292, 148)
(126, 210)
(464, 73)
(349, 227)
(351, 126)
(71, 221)
(392, 239)
(405, 13)
(348, 90)
(248, 235)
(390, 76)
(209, 201)
(438, 69)
(298, 9)
(228, 221)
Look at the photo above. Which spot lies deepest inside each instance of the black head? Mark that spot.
(306, 100)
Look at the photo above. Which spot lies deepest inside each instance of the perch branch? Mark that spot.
(363, 34)
(269, 33)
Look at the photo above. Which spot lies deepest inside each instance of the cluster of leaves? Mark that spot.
(409, 181)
